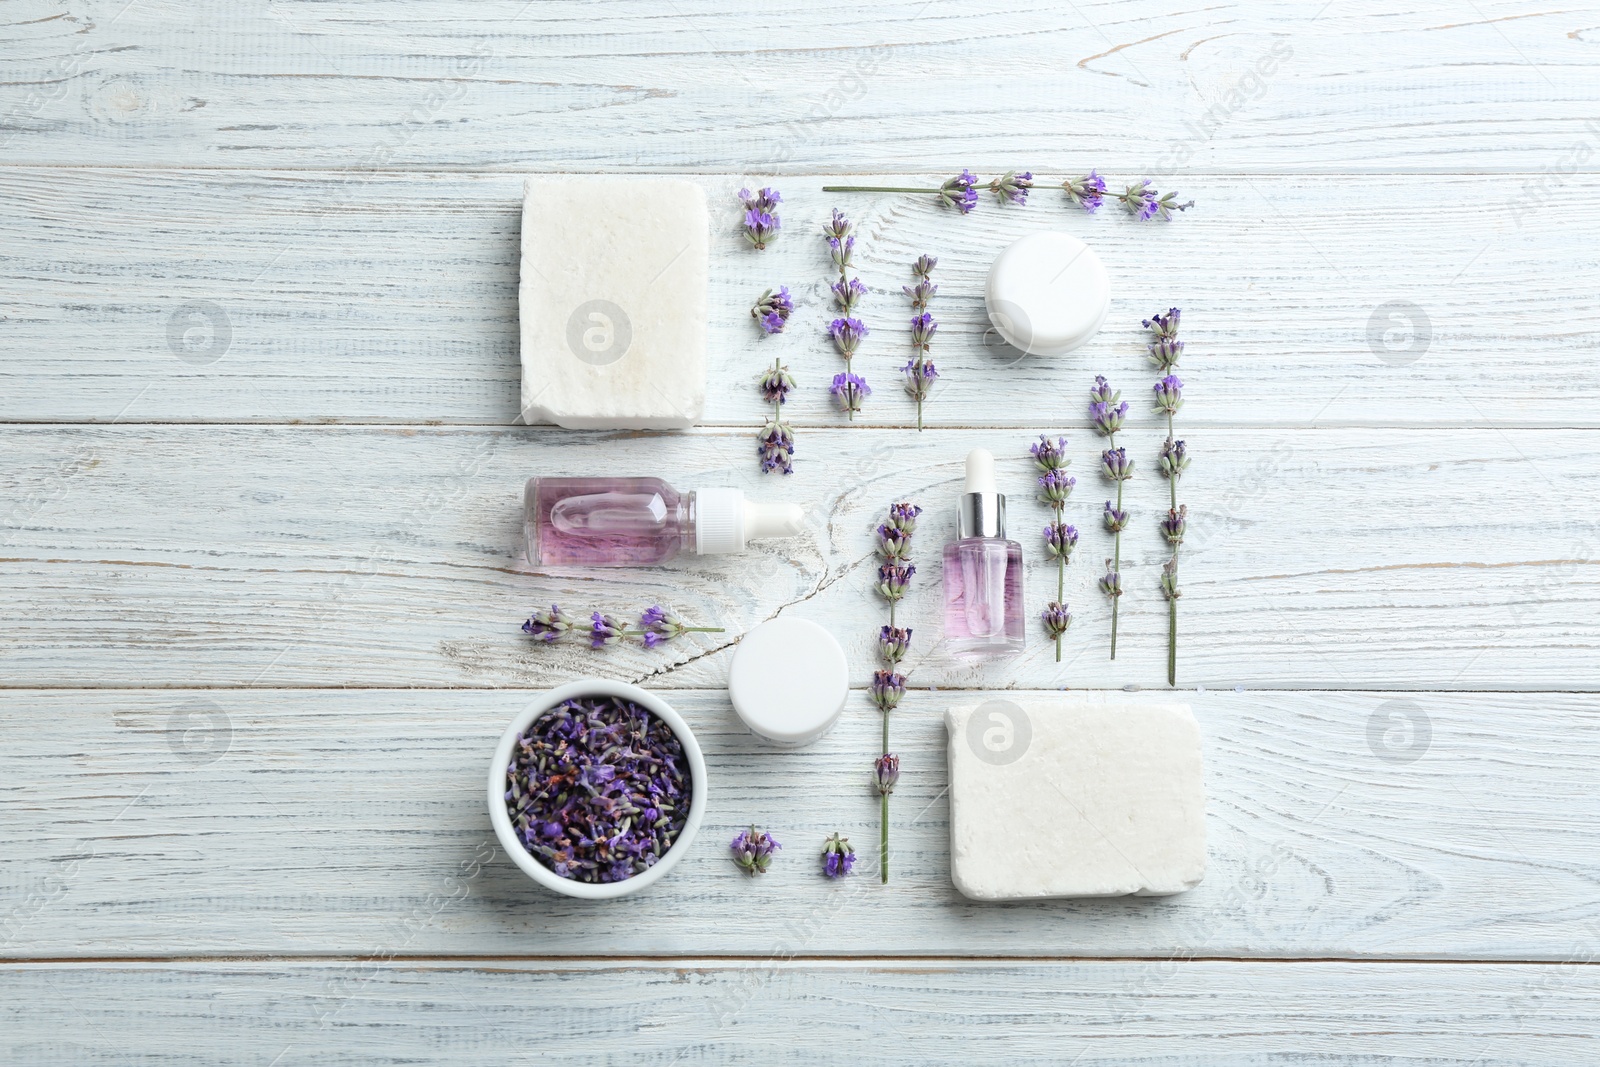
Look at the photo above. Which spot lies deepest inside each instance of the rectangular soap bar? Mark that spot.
(613, 302)
(1071, 798)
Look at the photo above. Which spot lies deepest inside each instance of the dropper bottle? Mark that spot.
(983, 599)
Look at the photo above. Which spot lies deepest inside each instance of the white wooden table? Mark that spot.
(261, 473)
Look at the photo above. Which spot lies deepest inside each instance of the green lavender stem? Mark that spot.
(883, 832)
(1172, 604)
(1116, 566)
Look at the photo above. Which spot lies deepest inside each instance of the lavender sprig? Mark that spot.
(888, 686)
(1012, 187)
(772, 310)
(958, 192)
(775, 442)
(752, 850)
(656, 626)
(846, 330)
(1106, 412)
(920, 372)
(1165, 351)
(761, 222)
(1089, 193)
(1055, 486)
(838, 858)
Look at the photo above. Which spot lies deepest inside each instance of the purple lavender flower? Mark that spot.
(924, 265)
(1147, 203)
(1174, 459)
(1055, 486)
(904, 516)
(1115, 464)
(840, 250)
(922, 329)
(958, 192)
(1012, 187)
(1102, 393)
(893, 542)
(752, 851)
(605, 630)
(839, 227)
(776, 384)
(1116, 519)
(850, 389)
(766, 200)
(1056, 619)
(760, 227)
(847, 294)
(1049, 455)
(893, 642)
(772, 310)
(887, 768)
(658, 625)
(1169, 579)
(1060, 539)
(838, 858)
(920, 376)
(1166, 349)
(1169, 394)
(893, 578)
(1174, 525)
(920, 293)
(775, 446)
(1088, 192)
(1111, 582)
(887, 689)
(847, 334)
(547, 626)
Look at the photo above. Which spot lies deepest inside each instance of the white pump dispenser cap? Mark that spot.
(724, 520)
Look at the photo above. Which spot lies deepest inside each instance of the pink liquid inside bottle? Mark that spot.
(983, 599)
(620, 522)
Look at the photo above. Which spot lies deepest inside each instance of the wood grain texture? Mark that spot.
(1139, 86)
(312, 822)
(139, 296)
(1344, 559)
(1163, 1015)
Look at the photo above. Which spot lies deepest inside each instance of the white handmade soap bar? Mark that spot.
(613, 302)
(1067, 798)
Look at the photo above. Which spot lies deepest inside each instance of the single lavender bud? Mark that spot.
(838, 858)
(922, 329)
(1111, 582)
(1174, 525)
(887, 689)
(1012, 187)
(547, 626)
(1106, 418)
(924, 265)
(893, 578)
(604, 630)
(1115, 464)
(847, 294)
(887, 768)
(760, 227)
(1169, 394)
(752, 851)
(847, 334)
(838, 228)
(1060, 539)
(893, 542)
(1169, 579)
(893, 642)
(1116, 519)
(920, 378)
(772, 310)
(904, 516)
(1056, 619)
(1174, 458)
(850, 389)
(775, 445)
(776, 384)
(839, 251)
(1055, 486)
(1048, 455)
(958, 192)
(1088, 192)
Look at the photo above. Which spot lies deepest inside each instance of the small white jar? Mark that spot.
(1047, 293)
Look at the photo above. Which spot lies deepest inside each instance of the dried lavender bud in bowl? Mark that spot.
(597, 789)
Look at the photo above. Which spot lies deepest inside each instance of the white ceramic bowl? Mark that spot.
(501, 818)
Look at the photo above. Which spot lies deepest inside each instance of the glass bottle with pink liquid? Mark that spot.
(983, 571)
(621, 522)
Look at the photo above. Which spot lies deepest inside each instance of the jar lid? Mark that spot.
(1047, 293)
(788, 681)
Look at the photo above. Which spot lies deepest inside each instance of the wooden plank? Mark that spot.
(1345, 559)
(140, 296)
(945, 1012)
(289, 822)
(853, 86)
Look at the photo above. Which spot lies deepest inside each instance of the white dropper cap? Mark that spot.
(982, 510)
(980, 471)
(724, 520)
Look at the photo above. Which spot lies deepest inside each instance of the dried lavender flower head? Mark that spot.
(752, 850)
(605, 630)
(1169, 579)
(893, 542)
(547, 626)
(776, 384)
(1111, 582)
(850, 389)
(887, 772)
(847, 294)
(920, 378)
(1116, 464)
(1012, 187)
(760, 228)
(923, 327)
(1147, 203)
(1116, 518)
(904, 516)
(887, 689)
(840, 250)
(894, 577)
(847, 334)
(1174, 525)
(924, 265)
(1056, 619)
(838, 858)
(1055, 486)
(1050, 455)
(775, 446)
(1169, 395)
(766, 200)
(772, 310)
(598, 789)
(1104, 410)
(838, 228)
(958, 192)
(1174, 458)
(1165, 326)
(1060, 539)
(1088, 192)
(893, 642)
